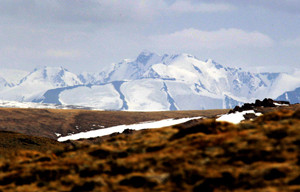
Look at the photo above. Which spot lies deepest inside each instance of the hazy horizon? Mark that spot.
(92, 34)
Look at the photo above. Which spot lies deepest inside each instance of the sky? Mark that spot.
(89, 35)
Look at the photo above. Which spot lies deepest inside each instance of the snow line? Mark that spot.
(121, 128)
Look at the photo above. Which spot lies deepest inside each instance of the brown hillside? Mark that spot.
(47, 122)
(11, 143)
(200, 155)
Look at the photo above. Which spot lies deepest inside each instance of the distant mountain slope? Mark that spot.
(12, 76)
(291, 96)
(179, 82)
(35, 84)
(151, 82)
(4, 84)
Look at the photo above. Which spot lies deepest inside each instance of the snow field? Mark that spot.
(100, 97)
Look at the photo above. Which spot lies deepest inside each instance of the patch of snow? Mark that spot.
(57, 134)
(121, 128)
(236, 117)
(278, 104)
(286, 96)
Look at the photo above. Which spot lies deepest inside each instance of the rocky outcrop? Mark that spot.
(264, 103)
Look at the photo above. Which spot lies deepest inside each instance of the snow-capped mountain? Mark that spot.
(12, 76)
(206, 77)
(52, 76)
(36, 83)
(152, 82)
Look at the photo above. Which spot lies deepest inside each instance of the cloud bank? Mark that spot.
(221, 39)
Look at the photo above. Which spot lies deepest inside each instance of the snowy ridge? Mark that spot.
(150, 82)
(35, 84)
(12, 77)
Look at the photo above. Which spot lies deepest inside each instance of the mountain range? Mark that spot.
(150, 82)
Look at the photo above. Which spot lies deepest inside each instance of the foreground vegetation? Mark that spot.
(200, 155)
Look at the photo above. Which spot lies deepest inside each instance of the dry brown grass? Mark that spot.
(201, 155)
(12, 143)
(47, 122)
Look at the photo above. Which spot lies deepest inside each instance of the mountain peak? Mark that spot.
(146, 52)
(56, 76)
(145, 56)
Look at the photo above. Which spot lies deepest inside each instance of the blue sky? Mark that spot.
(87, 35)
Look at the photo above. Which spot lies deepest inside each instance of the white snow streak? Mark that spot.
(278, 104)
(121, 128)
(236, 117)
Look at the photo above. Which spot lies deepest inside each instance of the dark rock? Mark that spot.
(155, 148)
(103, 154)
(295, 181)
(138, 182)
(24, 180)
(87, 186)
(50, 174)
(258, 103)
(268, 103)
(249, 116)
(28, 141)
(228, 179)
(296, 114)
(277, 134)
(207, 185)
(117, 169)
(247, 106)
(128, 131)
(273, 174)
(283, 102)
(192, 176)
(207, 128)
(88, 172)
(43, 159)
(100, 153)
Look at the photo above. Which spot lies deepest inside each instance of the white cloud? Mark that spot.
(190, 7)
(192, 39)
